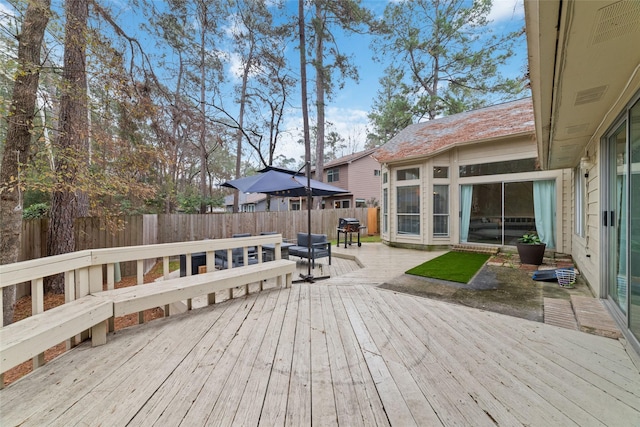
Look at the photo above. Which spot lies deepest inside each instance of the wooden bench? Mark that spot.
(163, 293)
(30, 337)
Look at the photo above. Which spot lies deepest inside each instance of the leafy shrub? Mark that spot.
(36, 211)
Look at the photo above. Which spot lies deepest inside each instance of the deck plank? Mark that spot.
(274, 409)
(172, 401)
(347, 407)
(370, 407)
(342, 348)
(553, 384)
(398, 360)
(218, 375)
(496, 392)
(251, 402)
(137, 378)
(299, 403)
(234, 385)
(323, 402)
(390, 395)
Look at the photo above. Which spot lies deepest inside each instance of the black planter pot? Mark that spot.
(531, 253)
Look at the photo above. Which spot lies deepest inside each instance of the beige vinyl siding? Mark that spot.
(522, 147)
(362, 182)
(586, 251)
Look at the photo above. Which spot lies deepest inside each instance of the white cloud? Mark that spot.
(506, 10)
(350, 123)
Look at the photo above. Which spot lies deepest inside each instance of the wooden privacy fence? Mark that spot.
(95, 233)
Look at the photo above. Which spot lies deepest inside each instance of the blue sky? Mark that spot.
(348, 109)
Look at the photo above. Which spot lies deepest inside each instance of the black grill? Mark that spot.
(348, 226)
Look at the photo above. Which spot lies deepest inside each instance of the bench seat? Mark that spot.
(143, 297)
(30, 337)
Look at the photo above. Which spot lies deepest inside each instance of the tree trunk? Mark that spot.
(70, 144)
(320, 85)
(239, 134)
(203, 113)
(16, 147)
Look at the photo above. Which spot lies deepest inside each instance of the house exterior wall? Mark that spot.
(589, 251)
(585, 250)
(358, 177)
(521, 147)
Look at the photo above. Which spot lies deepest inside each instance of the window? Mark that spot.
(440, 210)
(441, 172)
(376, 172)
(385, 178)
(295, 205)
(579, 199)
(249, 207)
(409, 210)
(333, 175)
(361, 203)
(498, 168)
(385, 210)
(341, 204)
(408, 174)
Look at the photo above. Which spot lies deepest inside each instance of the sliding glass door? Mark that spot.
(621, 217)
(615, 217)
(500, 213)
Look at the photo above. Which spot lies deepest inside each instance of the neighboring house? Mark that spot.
(360, 174)
(472, 178)
(584, 62)
(257, 202)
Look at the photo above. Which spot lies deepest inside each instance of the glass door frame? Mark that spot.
(608, 170)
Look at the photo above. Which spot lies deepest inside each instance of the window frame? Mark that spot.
(333, 175)
(408, 215)
(445, 189)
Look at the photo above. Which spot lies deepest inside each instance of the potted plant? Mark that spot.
(531, 249)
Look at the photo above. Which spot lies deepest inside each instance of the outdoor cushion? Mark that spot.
(320, 247)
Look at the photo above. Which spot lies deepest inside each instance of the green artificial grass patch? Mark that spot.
(453, 266)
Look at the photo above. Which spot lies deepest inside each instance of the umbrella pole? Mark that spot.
(309, 277)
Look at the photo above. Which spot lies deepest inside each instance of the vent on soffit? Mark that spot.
(616, 20)
(590, 95)
(582, 128)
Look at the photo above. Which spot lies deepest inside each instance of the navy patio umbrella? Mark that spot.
(282, 183)
(286, 183)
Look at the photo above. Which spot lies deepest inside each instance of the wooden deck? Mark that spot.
(335, 352)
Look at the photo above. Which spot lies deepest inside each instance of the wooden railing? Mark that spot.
(84, 270)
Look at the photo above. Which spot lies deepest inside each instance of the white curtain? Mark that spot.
(544, 208)
(466, 196)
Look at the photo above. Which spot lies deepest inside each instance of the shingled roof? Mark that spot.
(349, 158)
(432, 137)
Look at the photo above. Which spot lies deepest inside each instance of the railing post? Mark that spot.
(210, 257)
(70, 295)
(82, 289)
(95, 279)
(111, 284)
(37, 306)
(140, 281)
